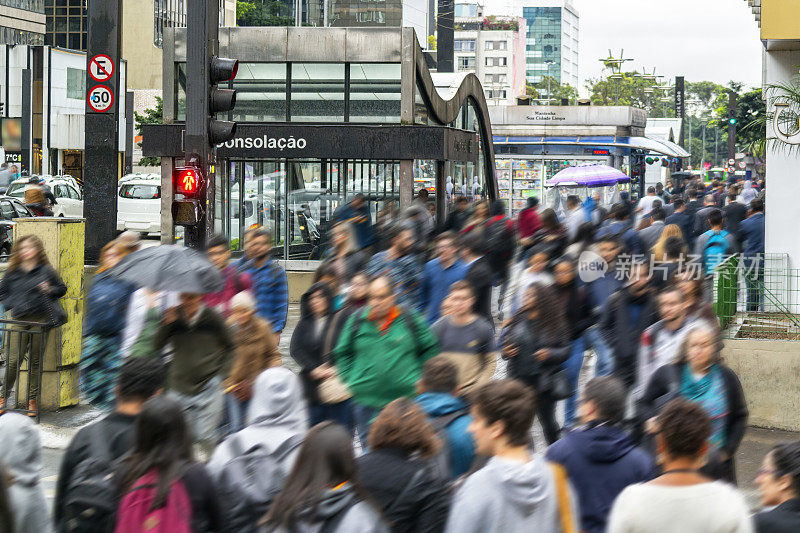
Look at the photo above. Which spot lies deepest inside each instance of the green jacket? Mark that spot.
(381, 368)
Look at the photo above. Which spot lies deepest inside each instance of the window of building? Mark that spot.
(261, 92)
(466, 10)
(65, 23)
(466, 63)
(76, 83)
(167, 14)
(495, 78)
(496, 61)
(374, 92)
(496, 45)
(494, 94)
(464, 45)
(317, 92)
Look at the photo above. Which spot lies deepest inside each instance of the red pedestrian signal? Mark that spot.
(187, 181)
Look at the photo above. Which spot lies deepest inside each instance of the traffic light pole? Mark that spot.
(201, 43)
(732, 103)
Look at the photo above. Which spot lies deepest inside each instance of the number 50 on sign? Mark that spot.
(100, 98)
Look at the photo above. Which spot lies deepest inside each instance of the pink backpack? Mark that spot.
(135, 516)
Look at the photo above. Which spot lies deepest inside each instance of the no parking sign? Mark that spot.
(101, 68)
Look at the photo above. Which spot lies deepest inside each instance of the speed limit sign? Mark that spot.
(100, 98)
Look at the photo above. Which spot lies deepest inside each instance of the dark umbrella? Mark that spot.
(169, 268)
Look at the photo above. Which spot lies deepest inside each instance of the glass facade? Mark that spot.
(15, 36)
(544, 43)
(167, 14)
(362, 13)
(65, 23)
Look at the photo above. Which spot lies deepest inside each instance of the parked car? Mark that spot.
(139, 204)
(10, 208)
(69, 201)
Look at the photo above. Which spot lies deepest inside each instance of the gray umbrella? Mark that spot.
(169, 268)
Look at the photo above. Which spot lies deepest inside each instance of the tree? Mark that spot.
(559, 91)
(150, 116)
(266, 13)
(629, 90)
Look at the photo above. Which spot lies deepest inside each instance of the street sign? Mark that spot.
(101, 68)
(742, 165)
(731, 161)
(100, 99)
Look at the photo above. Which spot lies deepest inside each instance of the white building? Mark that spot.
(58, 108)
(494, 51)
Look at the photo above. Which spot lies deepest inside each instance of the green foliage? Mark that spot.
(150, 116)
(558, 90)
(267, 13)
(629, 90)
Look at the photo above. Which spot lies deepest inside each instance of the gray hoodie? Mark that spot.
(277, 412)
(508, 497)
(21, 453)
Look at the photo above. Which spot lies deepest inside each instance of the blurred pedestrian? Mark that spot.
(682, 219)
(380, 353)
(270, 284)
(536, 343)
(700, 376)
(202, 356)
(536, 271)
(660, 343)
(357, 298)
(778, 481)
(401, 265)
(573, 297)
(250, 466)
(601, 459)
(528, 223)
(600, 289)
(162, 486)
(255, 351)
(622, 230)
(500, 245)
(6, 509)
(748, 193)
(356, 213)
(552, 235)
(143, 318)
(104, 442)
(447, 413)
(457, 218)
(323, 492)
(397, 472)
(682, 499)
(467, 339)
(479, 274)
(30, 291)
(753, 233)
(645, 204)
(440, 274)
(701, 221)
(575, 216)
(515, 492)
(734, 213)
(130, 241)
(309, 347)
(103, 329)
(649, 236)
(419, 220)
(715, 245)
(218, 251)
(477, 222)
(659, 248)
(630, 311)
(344, 256)
(583, 241)
(21, 455)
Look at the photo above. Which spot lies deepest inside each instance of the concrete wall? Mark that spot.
(769, 373)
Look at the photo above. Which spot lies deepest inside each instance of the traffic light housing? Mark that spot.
(221, 100)
(188, 186)
(732, 121)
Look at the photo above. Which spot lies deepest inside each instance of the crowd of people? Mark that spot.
(422, 356)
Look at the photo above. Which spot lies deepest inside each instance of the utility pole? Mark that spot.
(703, 159)
(732, 125)
(716, 144)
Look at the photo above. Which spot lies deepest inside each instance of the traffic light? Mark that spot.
(188, 185)
(221, 100)
(732, 121)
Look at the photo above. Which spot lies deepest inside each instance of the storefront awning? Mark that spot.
(658, 146)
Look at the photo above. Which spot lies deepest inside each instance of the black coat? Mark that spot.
(622, 335)
(530, 336)
(665, 384)
(684, 221)
(734, 214)
(785, 518)
(481, 276)
(20, 293)
(307, 347)
(408, 504)
(575, 299)
(456, 220)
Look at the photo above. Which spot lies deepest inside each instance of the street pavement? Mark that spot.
(58, 429)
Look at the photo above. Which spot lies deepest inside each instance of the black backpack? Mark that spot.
(251, 480)
(92, 496)
(443, 461)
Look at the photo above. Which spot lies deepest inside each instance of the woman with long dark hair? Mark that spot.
(778, 481)
(30, 291)
(700, 376)
(104, 325)
(551, 235)
(323, 490)
(536, 343)
(398, 472)
(160, 473)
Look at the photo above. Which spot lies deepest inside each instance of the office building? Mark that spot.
(552, 41)
(22, 22)
(493, 49)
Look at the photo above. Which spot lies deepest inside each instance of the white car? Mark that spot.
(139, 204)
(69, 201)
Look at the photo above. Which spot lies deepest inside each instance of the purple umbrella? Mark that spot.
(589, 176)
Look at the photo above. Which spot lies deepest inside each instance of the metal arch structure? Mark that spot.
(446, 111)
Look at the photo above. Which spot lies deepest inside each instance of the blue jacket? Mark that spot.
(684, 221)
(361, 222)
(271, 291)
(625, 233)
(752, 233)
(107, 306)
(462, 447)
(436, 282)
(600, 460)
(601, 289)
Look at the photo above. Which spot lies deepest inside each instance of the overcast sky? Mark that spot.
(716, 40)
